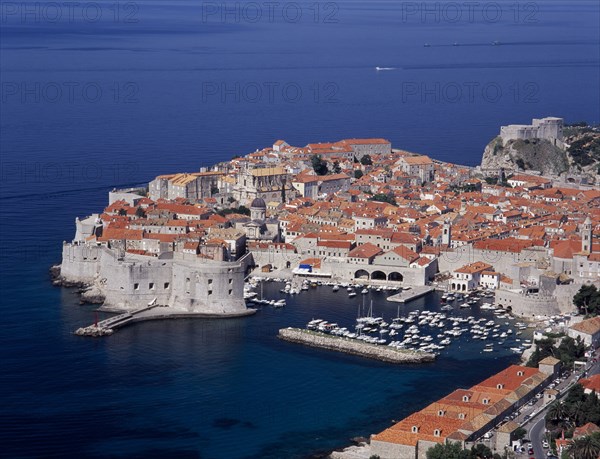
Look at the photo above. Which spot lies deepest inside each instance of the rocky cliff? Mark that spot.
(581, 155)
(537, 155)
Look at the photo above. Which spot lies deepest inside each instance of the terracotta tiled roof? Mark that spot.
(476, 267)
(367, 250)
(463, 412)
(588, 326)
(585, 430)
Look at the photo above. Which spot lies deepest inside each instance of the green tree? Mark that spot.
(240, 210)
(366, 160)
(382, 197)
(139, 212)
(336, 167)
(576, 393)
(480, 451)
(543, 348)
(447, 451)
(587, 299)
(570, 350)
(319, 165)
(557, 412)
(122, 212)
(587, 447)
(214, 190)
(520, 433)
(358, 174)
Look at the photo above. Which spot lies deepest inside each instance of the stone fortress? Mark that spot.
(549, 128)
(180, 284)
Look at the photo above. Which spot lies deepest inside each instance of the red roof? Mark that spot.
(367, 250)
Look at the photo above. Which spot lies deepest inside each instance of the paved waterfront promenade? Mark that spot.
(408, 295)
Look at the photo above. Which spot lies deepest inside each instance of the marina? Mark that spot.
(456, 320)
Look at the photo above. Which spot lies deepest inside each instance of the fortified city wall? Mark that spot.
(527, 305)
(183, 285)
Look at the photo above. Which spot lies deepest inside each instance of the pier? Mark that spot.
(106, 327)
(408, 295)
(350, 346)
(152, 312)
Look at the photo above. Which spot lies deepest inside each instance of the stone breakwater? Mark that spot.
(349, 346)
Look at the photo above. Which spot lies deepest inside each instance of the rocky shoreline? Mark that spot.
(348, 346)
(88, 293)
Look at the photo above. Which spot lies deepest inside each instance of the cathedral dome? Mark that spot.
(258, 203)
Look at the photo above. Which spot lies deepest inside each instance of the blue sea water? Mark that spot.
(88, 104)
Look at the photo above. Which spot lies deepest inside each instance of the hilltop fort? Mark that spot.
(548, 148)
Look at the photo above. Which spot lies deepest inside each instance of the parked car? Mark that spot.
(544, 444)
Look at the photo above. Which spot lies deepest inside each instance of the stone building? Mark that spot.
(419, 166)
(194, 186)
(588, 330)
(371, 147)
(258, 227)
(313, 186)
(549, 128)
(464, 415)
(269, 183)
(469, 277)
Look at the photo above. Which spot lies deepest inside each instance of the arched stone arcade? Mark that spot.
(378, 275)
(362, 274)
(395, 276)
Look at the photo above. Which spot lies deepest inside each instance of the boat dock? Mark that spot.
(349, 346)
(106, 327)
(408, 295)
(151, 312)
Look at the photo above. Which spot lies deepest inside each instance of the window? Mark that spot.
(230, 281)
(465, 398)
(151, 286)
(230, 291)
(166, 286)
(415, 429)
(136, 286)
(209, 281)
(520, 373)
(436, 433)
(210, 292)
(500, 386)
(441, 412)
(485, 401)
(461, 415)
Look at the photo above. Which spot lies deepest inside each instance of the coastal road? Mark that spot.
(537, 430)
(536, 435)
